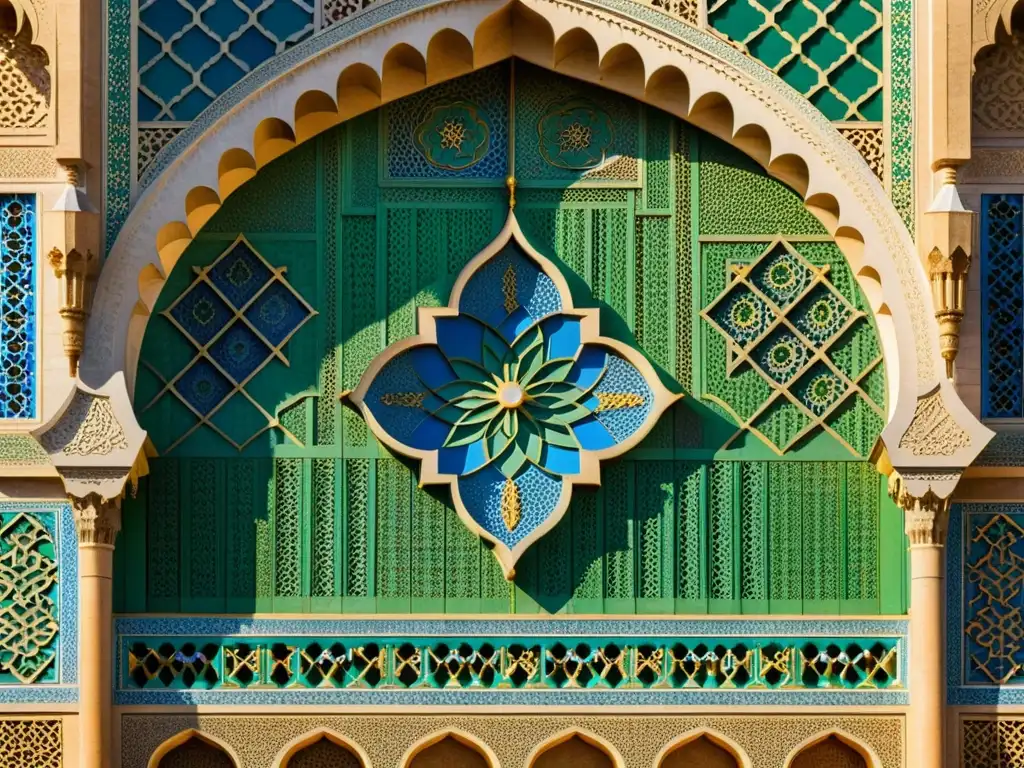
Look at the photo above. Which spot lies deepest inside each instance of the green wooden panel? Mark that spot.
(311, 514)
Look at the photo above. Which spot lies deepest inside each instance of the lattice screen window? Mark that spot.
(17, 306)
(992, 743)
(1002, 297)
(30, 742)
(191, 52)
(831, 52)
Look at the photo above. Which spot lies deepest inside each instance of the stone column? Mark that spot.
(97, 521)
(925, 518)
(98, 448)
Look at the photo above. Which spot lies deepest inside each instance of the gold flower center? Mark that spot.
(510, 395)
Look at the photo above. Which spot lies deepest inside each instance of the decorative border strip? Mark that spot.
(248, 626)
(569, 632)
(66, 542)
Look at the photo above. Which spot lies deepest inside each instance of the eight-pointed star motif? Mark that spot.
(510, 395)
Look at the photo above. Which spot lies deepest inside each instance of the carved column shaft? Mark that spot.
(926, 519)
(97, 521)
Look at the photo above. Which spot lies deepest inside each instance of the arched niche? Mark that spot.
(701, 751)
(24, 71)
(451, 749)
(685, 76)
(576, 749)
(831, 751)
(193, 749)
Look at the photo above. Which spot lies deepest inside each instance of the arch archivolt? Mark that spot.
(871, 759)
(716, 738)
(463, 737)
(185, 736)
(593, 739)
(296, 745)
(989, 15)
(689, 73)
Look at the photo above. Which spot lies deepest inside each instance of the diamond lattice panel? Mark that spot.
(784, 320)
(831, 51)
(191, 51)
(238, 314)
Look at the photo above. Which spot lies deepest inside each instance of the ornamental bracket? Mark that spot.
(96, 445)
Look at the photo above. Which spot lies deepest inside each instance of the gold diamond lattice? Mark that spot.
(238, 313)
(781, 315)
(830, 52)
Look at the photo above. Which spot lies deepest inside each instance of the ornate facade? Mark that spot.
(474, 383)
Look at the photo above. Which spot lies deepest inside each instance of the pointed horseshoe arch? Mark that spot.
(183, 737)
(716, 738)
(871, 759)
(393, 51)
(296, 745)
(463, 737)
(592, 739)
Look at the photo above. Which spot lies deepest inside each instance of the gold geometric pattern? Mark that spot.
(994, 630)
(993, 743)
(870, 142)
(403, 399)
(511, 505)
(612, 401)
(781, 316)
(508, 290)
(28, 623)
(35, 743)
(238, 313)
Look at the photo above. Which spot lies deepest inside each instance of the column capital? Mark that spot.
(924, 498)
(97, 519)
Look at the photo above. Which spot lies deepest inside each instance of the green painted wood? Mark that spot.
(688, 523)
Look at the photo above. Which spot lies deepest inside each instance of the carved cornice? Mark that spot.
(97, 519)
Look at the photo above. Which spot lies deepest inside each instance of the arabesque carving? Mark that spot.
(28, 579)
(933, 430)
(24, 82)
(88, 427)
(998, 92)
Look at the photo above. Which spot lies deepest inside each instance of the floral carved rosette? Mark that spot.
(454, 136)
(510, 395)
(576, 136)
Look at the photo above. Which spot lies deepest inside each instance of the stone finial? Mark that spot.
(77, 277)
(94, 441)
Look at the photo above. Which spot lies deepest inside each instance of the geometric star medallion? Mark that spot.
(510, 396)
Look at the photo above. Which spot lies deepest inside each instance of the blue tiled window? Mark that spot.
(18, 306)
(1002, 303)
